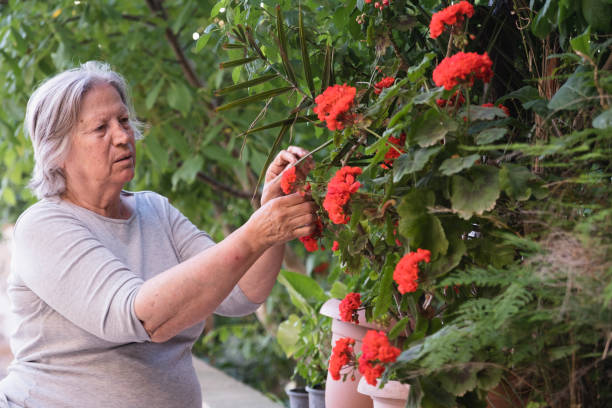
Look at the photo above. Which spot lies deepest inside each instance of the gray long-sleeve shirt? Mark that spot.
(74, 277)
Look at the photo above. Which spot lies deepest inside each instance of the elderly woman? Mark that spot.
(111, 287)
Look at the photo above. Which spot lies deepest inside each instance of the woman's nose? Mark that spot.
(121, 133)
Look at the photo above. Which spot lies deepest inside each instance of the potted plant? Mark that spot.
(304, 336)
(450, 187)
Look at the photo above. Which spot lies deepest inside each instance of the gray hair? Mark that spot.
(52, 114)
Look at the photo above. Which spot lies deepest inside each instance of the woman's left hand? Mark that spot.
(283, 160)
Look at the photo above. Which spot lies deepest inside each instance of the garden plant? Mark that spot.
(463, 175)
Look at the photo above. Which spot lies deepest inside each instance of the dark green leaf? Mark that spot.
(574, 92)
(327, 68)
(236, 62)
(305, 286)
(603, 120)
(482, 113)
(179, 98)
(254, 98)
(413, 161)
(477, 194)
(490, 135)
(299, 119)
(187, 172)
(282, 46)
(246, 84)
(153, 94)
(305, 57)
(513, 179)
(432, 127)
(457, 164)
(398, 328)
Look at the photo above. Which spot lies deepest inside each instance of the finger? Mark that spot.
(304, 230)
(293, 199)
(298, 151)
(304, 221)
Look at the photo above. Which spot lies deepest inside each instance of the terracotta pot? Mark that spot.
(343, 394)
(316, 397)
(393, 395)
(298, 398)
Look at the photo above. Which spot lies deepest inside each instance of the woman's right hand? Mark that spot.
(282, 219)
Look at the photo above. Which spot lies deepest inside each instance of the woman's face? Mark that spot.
(102, 152)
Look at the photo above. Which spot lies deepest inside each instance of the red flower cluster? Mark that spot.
(382, 84)
(339, 191)
(348, 307)
(333, 104)
(335, 246)
(500, 106)
(310, 241)
(456, 98)
(450, 16)
(463, 67)
(393, 154)
(376, 350)
(342, 355)
(288, 180)
(406, 271)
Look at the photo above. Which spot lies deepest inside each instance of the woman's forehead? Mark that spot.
(101, 100)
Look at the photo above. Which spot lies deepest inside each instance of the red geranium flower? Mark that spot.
(335, 246)
(288, 180)
(310, 241)
(333, 104)
(500, 106)
(382, 84)
(342, 355)
(339, 191)
(456, 98)
(348, 307)
(393, 154)
(463, 67)
(450, 16)
(376, 351)
(406, 271)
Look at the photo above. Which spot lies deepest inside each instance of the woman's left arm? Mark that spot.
(259, 280)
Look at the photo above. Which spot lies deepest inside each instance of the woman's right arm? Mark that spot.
(190, 291)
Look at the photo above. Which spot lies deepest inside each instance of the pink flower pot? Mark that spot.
(393, 395)
(343, 394)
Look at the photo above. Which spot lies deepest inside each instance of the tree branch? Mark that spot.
(157, 8)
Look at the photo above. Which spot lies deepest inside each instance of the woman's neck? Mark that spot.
(110, 206)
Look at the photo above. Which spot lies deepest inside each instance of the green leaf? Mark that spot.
(524, 94)
(236, 62)
(413, 161)
(454, 254)
(202, 41)
(459, 381)
(179, 98)
(603, 120)
(282, 46)
(582, 42)
(288, 334)
(305, 57)
(338, 290)
(490, 135)
(156, 152)
(482, 113)
(475, 195)
(305, 286)
(432, 127)
(254, 98)
(246, 84)
(513, 179)
(544, 21)
(398, 328)
(415, 73)
(457, 164)
(421, 229)
(188, 170)
(574, 92)
(8, 196)
(153, 94)
(489, 377)
(385, 289)
(272, 153)
(215, 10)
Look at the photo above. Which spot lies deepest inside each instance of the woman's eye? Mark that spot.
(125, 120)
(100, 128)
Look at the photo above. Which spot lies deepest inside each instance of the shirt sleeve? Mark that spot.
(190, 241)
(64, 264)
